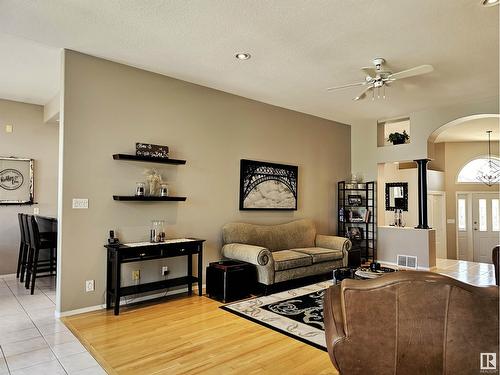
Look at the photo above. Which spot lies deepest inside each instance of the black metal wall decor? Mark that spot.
(268, 186)
(16, 181)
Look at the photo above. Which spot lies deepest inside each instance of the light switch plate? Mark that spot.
(36, 211)
(80, 203)
(89, 285)
(9, 128)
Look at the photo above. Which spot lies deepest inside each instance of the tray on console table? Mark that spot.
(142, 251)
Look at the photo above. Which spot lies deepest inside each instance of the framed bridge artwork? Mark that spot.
(268, 186)
(16, 181)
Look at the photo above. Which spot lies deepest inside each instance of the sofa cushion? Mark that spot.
(320, 254)
(287, 259)
(299, 233)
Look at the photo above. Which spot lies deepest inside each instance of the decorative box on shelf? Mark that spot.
(150, 150)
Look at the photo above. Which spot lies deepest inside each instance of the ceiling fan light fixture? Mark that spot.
(242, 55)
(490, 3)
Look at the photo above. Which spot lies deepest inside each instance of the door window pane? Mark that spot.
(495, 213)
(461, 215)
(483, 220)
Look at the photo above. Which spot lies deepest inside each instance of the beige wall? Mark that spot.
(423, 123)
(457, 154)
(31, 138)
(108, 107)
(390, 172)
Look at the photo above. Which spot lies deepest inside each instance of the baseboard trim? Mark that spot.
(8, 275)
(78, 311)
(122, 302)
(419, 268)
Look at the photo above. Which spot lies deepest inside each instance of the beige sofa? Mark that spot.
(285, 251)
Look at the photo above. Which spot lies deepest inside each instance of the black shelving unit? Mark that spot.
(147, 198)
(148, 159)
(356, 216)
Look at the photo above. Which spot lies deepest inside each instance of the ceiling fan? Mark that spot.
(378, 78)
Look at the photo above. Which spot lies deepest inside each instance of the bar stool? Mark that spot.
(24, 265)
(37, 244)
(23, 248)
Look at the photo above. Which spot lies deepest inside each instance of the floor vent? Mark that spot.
(407, 261)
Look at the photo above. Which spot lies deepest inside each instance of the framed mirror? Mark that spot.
(396, 196)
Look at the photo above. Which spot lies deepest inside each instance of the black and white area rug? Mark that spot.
(297, 313)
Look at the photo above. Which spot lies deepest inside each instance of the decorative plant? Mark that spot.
(398, 138)
(154, 179)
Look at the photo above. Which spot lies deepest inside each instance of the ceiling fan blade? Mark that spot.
(370, 72)
(416, 71)
(345, 86)
(363, 94)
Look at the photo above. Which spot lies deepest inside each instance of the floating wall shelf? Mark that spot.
(147, 199)
(148, 159)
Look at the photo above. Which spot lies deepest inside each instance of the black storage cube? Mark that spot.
(354, 258)
(230, 280)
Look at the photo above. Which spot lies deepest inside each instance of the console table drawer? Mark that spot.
(139, 254)
(183, 250)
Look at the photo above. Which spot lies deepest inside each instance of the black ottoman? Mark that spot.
(230, 280)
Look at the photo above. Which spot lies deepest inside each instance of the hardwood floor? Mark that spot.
(191, 335)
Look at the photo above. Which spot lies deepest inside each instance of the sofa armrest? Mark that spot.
(335, 243)
(333, 320)
(257, 255)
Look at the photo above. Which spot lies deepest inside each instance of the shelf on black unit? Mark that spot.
(147, 199)
(143, 288)
(148, 159)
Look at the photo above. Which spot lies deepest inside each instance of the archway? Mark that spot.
(451, 147)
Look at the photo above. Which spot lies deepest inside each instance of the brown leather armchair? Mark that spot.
(495, 258)
(410, 323)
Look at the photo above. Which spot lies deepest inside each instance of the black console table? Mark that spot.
(138, 252)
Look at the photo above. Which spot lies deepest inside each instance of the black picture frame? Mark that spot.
(253, 173)
(354, 200)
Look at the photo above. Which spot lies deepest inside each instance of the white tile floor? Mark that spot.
(32, 340)
(480, 274)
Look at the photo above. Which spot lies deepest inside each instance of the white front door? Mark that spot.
(485, 224)
(437, 221)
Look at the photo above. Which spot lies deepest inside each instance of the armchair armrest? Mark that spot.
(333, 320)
(257, 255)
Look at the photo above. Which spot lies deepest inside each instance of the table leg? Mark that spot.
(109, 279)
(200, 269)
(117, 276)
(190, 273)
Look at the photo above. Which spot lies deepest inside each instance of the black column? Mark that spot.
(422, 193)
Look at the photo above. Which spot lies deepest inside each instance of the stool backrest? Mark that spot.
(21, 228)
(34, 232)
(26, 229)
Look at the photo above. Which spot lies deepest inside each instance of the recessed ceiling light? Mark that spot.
(242, 56)
(490, 3)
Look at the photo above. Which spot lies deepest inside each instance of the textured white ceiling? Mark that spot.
(29, 71)
(471, 131)
(298, 47)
